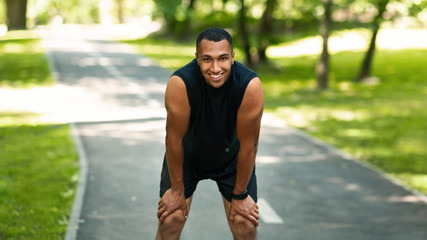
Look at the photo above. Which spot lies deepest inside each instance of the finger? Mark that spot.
(254, 221)
(185, 212)
(253, 215)
(163, 216)
(160, 212)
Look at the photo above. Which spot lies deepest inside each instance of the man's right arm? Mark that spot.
(177, 122)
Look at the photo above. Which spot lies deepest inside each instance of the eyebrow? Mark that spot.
(222, 55)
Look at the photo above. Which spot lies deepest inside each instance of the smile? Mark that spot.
(216, 77)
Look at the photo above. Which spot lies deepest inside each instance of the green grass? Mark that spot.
(383, 125)
(22, 61)
(38, 163)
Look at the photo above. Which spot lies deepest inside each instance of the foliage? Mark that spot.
(71, 11)
(2, 12)
(381, 124)
(38, 167)
(168, 10)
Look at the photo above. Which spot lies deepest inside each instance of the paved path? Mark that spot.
(308, 190)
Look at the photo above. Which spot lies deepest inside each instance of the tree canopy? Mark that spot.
(255, 24)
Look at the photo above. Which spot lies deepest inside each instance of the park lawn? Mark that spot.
(38, 161)
(23, 62)
(380, 124)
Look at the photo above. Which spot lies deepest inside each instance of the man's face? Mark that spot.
(215, 60)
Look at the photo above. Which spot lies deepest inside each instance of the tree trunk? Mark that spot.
(186, 33)
(191, 4)
(16, 14)
(265, 29)
(322, 68)
(365, 70)
(244, 35)
(119, 5)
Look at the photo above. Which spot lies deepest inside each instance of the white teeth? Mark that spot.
(216, 76)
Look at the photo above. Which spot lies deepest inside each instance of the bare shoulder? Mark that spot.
(176, 100)
(254, 96)
(175, 84)
(176, 95)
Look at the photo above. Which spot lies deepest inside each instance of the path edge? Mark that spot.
(345, 155)
(73, 222)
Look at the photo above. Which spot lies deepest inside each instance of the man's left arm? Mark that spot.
(247, 129)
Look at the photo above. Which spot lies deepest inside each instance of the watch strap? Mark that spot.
(241, 196)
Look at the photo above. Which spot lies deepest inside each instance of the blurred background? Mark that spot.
(258, 24)
(349, 72)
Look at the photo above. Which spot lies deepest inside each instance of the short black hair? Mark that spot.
(216, 35)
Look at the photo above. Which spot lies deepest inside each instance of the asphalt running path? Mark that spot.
(307, 190)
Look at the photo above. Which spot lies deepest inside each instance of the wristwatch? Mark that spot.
(241, 196)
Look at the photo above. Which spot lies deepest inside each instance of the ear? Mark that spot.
(232, 57)
(195, 54)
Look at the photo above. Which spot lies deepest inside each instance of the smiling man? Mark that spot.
(214, 107)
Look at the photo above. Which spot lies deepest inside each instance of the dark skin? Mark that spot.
(215, 60)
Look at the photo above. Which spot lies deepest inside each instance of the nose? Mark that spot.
(215, 66)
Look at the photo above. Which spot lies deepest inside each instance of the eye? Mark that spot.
(206, 60)
(224, 58)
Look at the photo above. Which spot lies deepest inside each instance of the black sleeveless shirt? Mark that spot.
(210, 144)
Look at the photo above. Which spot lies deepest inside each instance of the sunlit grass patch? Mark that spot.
(418, 181)
(383, 124)
(38, 176)
(38, 162)
(22, 61)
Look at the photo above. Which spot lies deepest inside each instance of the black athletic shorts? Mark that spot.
(192, 177)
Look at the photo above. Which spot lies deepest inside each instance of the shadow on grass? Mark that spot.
(381, 124)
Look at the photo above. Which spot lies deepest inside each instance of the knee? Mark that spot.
(243, 228)
(176, 217)
(173, 224)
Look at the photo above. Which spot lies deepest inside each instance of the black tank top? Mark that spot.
(210, 144)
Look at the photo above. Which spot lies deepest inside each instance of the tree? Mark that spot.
(119, 6)
(16, 14)
(168, 10)
(265, 29)
(365, 70)
(244, 36)
(188, 19)
(322, 68)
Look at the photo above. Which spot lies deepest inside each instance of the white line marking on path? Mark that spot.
(267, 213)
